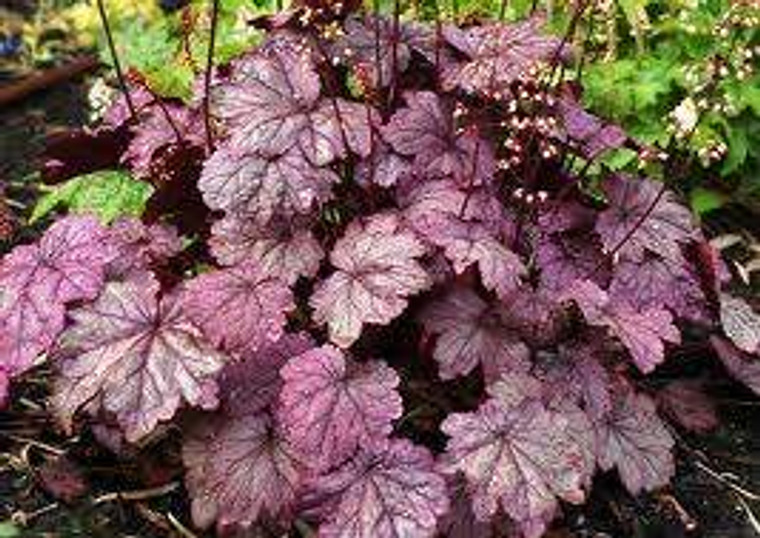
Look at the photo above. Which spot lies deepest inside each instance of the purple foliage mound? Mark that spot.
(385, 218)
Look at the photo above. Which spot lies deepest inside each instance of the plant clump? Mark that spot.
(379, 206)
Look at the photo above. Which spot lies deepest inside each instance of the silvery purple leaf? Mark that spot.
(330, 405)
(133, 356)
(240, 308)
(376, 272)
(386, 491)
(471, 333)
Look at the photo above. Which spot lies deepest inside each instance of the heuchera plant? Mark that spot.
(385, 217)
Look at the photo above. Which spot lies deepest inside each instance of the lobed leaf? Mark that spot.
(133, 356)
(386, 491)
(330, 405)
(376, 272)
(238, 308)
(36, 281)
(471, 333)
(632, 438)
(517, 455)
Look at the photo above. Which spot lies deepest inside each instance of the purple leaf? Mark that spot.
(272, 107)
(632, 438)
(460, 522)
(591, 135)
(386, 491)
(470, 332)
(330, 405)
(367, 46)
(266, 103)
(500, 268)
(134, 357)
(657, 283)
(741, 365)
(532, 314)
(376, 272)
(240, 470)
(424, 130)
(663, 230)
(258, 188)
(68, 264)
(519, 458)
(253, 383)
(686, 402)
(139, 246)
(281, 248)
(498, 54)
(740, 323)
(156, 131)
(641, 332)
(384, 168)
(239, 308)
(566, 257)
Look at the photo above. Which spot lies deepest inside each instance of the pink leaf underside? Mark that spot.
(67, 264)
(249, 185)
(376, 272)
(588, 133)
(687, 403)
(518, 457)
(272, 106)
(134, 358)
(424, 130)
(564, 258)
(657, 283)
(139, 246)
(330, 405)
(386, 491)
(240, 308)
(498, 54)
(253, 383)
(470, 332)
(742, 366)
(643, 333)
(240, 470)
(159, 127)
(288, 253)
(740, 323)
(662, 232)
(634, 439)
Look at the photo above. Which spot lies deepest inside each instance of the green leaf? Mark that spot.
(107, 194)
(8, 530)
(704, 201)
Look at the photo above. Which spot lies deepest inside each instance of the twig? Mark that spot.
(720, 477)
(207, 79)
(179, 527)
(37, 444)
(45, 79)
(136, 495)
(115, 59)
(750, 515)
(23, 518)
